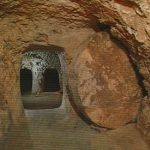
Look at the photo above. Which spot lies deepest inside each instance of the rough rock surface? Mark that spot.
(4, 115)
(107, 83)
(61, 22)
(144, 120)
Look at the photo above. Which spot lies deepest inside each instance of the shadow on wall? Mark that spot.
(98, 27)
(139, 76)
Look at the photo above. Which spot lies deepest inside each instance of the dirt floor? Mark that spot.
(49, 129)
(43, 100)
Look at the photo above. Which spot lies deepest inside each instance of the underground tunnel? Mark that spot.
(74, 72)
(41, 79)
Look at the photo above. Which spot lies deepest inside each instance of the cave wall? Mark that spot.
(144, 120)
(14, 43)
(38, 22)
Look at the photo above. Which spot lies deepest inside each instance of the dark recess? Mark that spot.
(98, 27)
(51, 81)
(25, 81)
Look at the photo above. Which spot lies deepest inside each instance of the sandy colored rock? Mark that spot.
(107, 83)
(70, 23)
(144, 120)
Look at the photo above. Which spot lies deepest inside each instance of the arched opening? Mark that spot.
(44, 84)
(51, 80)
(25, 81)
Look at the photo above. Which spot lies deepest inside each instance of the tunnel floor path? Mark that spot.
(50, 130)
(46, 100)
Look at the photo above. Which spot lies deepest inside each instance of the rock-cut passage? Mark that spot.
(41, 79)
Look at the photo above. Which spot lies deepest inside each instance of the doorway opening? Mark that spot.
(25, 81)
(41, 77)
(51, 80)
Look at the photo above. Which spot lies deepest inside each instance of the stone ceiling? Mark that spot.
(124, 16)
